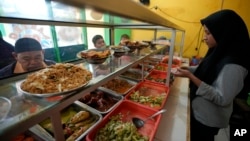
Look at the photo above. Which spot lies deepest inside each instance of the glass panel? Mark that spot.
(63, 46)
(70, 41)
(69, 35)
(55, 11)
(23, 9)
(61, 11)
(39, 32)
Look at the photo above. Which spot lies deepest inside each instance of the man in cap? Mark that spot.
(29, 56)
(164, 42)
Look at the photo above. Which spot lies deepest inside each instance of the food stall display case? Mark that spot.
(27, 110)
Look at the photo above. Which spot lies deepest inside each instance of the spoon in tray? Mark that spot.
(140, 123)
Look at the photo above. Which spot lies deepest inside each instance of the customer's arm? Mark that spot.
(227, 85)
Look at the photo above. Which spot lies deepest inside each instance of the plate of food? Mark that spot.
(58, 79)
(94, 56)
(132, 45)
(119, 48)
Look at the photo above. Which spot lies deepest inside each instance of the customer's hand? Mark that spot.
(181, 72)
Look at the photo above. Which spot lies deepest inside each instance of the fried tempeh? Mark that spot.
(80, 116)
(78, 132)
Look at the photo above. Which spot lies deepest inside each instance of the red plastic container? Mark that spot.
(157, 76)
(129, 110)
(163, 67)
(148, 95)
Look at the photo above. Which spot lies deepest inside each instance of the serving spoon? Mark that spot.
(140, 123)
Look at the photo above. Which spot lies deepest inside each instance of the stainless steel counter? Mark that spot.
(174, 125)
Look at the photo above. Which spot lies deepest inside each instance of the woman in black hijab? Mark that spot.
(221, 76)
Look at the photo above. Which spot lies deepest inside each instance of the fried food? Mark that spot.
(56, 78)
(116, 47)
(93, 54)
(80, 116)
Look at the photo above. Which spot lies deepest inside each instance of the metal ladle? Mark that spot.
(139, 122)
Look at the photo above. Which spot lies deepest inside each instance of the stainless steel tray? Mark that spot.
(117, 93)
(151, 62)
(110, 94)
(39, 130)
(147, 68)
(137, 72)
(156, 58)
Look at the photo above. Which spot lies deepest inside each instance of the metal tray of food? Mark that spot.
(89, 118)
(147, 68)
(156, 58)
(134, 74)
(118, 85)
(102, 101)
(150, 62)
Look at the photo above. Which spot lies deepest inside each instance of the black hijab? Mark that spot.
(233, 46)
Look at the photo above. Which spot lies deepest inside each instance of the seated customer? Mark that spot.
(6, 48)
(162, 40)
(29, 57)
(124, 39)
(98, 41)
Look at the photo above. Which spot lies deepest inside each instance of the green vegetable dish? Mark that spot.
(117, 130)
(150, 100)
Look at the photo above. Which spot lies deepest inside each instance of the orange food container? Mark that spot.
(149, 94)
(128, 110)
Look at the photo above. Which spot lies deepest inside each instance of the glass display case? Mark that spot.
(62, 27)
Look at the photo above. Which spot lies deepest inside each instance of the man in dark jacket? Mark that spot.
(29, 57)
(6, 50)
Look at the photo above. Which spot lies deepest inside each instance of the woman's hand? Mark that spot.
(184, 72)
